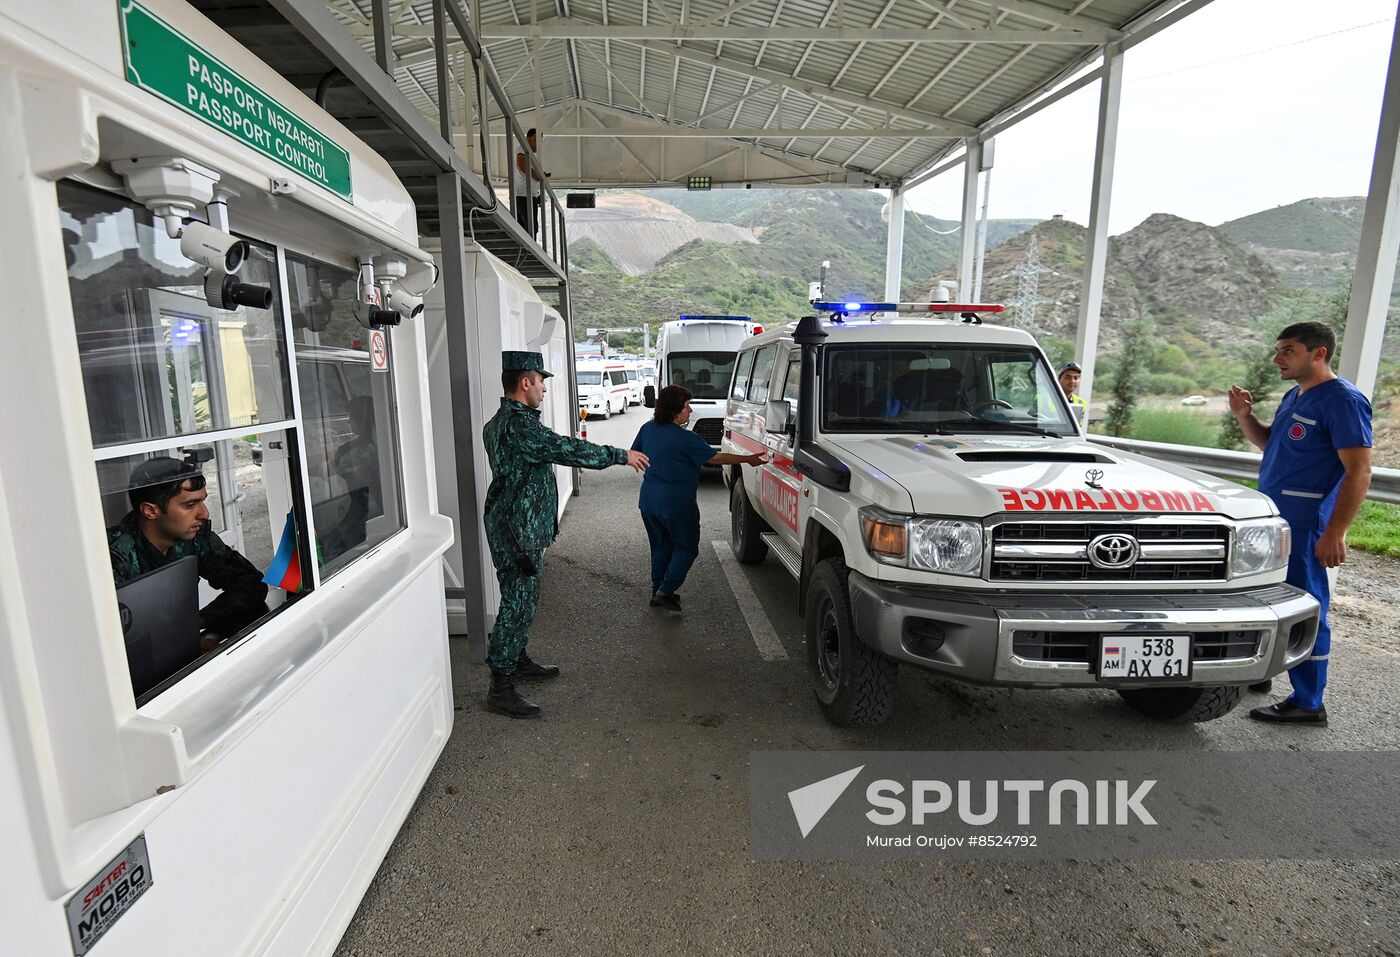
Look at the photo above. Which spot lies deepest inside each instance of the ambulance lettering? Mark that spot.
(779, 498)
(1104, 500)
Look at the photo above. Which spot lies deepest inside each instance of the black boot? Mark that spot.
(527, 670)
(504, 699)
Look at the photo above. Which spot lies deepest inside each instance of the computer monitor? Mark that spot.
(160, 620)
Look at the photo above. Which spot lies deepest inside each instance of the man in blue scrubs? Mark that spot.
(1316, 468)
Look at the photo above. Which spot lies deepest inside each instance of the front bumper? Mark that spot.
(1048, 640)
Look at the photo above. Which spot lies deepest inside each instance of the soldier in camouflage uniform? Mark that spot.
(169, 521)
(522, 512)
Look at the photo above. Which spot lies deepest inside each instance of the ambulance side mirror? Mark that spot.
(649, 397)
(777, 415)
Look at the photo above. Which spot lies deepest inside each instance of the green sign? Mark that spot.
(163, 61)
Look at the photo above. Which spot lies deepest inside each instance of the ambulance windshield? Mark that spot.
(926, 387)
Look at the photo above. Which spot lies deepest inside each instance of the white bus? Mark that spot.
(177, 781)
(698, 352)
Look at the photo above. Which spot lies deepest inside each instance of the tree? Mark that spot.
(1130, 368)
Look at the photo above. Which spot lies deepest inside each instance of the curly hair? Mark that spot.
(669, 403)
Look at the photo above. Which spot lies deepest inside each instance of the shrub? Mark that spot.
(1176, 426)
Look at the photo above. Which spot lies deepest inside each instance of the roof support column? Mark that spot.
(1380, 242)
(894, 246)
(967, 238)
(1086, 340)
(459, 309)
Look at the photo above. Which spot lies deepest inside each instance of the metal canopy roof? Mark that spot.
(791, 92)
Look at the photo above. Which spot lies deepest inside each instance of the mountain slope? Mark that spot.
(1312, 243)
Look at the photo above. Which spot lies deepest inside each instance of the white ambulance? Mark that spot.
(939, 506)
(203, 253)
(698, 352)
(603, 388)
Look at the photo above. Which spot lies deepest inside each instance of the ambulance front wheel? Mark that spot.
(1182, 705)
(855, 685)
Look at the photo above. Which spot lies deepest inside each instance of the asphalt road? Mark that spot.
(617, 824)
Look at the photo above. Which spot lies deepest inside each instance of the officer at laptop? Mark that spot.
(169, 521)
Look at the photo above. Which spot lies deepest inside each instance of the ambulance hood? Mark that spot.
(982, 475)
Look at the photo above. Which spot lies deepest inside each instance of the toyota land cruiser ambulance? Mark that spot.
(932, 493)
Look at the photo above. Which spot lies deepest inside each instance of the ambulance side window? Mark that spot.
(742, 370)
(762, 370)
(792, 382)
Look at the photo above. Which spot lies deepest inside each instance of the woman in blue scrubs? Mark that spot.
(668, 497)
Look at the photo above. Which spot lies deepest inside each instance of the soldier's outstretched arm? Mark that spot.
(537, 443)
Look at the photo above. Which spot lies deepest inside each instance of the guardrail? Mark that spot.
(537, 209)
(1385, 483)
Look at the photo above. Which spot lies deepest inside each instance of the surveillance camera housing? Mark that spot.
(213, 248)
(405, 303)
(371, 316)
(171, 187)
(223, 291)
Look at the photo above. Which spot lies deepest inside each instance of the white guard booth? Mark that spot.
(508, 314)
(225, 777)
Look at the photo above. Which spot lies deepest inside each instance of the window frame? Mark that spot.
(743, 365)
(763, 353)
(292, 429)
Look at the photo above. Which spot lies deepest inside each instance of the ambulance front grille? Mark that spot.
(710, 430)
(1083, 646)
(1171, 552)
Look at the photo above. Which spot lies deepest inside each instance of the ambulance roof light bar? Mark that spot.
(712, 318)
(969, 311)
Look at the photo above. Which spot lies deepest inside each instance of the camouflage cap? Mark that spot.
(524, 361)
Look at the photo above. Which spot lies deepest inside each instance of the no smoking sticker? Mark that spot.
(378, 351)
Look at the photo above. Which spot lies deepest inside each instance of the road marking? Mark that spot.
(769, 647)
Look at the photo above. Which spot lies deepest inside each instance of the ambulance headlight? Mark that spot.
(1260, 546)
(945, 545)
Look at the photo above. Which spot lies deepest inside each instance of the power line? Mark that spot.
(1281, 46)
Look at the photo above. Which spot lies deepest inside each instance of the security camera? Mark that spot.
(405, 303)
(223, 291)
(212, 248)
(371, 316)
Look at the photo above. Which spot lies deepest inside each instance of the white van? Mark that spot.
(602, 386)
(698, 352)
(636, 381)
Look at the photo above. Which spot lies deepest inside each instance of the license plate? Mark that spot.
(1145, 658)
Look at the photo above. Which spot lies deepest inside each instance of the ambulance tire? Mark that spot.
(855, 685)
(746, 527)
(607, 411)
(1183, 705)
(622, 406)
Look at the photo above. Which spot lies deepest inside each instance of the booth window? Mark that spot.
(348, 417)
(190, 412)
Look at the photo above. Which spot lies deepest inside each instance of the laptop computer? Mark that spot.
(160, 621)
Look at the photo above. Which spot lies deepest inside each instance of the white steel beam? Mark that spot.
(1086, 339)
(809, 88)
(575, 29)
(1039, 11)
(1380, 242)
(967, 239)
(665, 130)
(894, 246)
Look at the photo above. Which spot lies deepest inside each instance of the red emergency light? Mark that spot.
(757, 330)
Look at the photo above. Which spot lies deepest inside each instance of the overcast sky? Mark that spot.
(1244, 105)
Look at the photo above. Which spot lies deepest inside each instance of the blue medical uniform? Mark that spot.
(668, 500)
(1302, 473)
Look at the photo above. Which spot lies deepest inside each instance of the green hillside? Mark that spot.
(797, 230)
(1328, 225)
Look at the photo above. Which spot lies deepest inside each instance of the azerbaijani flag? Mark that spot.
(285, 570)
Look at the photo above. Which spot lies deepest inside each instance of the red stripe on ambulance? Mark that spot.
(1103, 500)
